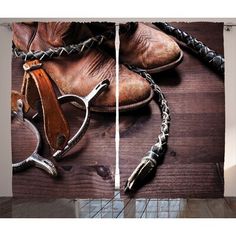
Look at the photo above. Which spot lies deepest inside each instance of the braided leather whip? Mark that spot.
(215, 60)
(70, 49)
(145, 170)
(148, 164)
(60, 51)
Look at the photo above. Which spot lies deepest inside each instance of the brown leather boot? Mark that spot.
(144, 47)
(79, 74)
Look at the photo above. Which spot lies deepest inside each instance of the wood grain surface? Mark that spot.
(193, 164)
(87, 170)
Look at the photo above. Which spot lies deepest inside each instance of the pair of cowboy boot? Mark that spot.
(140, 46)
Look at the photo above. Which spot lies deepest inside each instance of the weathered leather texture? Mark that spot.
(215, 60)
(42, 35)
(79, 74)
(38, 90)
(141, 45)
(147, 48)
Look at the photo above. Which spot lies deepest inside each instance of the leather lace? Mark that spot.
(157, 151)
(208, 55)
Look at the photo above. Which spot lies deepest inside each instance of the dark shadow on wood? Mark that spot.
(169, 78)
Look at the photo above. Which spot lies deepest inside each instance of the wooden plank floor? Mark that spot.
(88, 169)
(193, 165)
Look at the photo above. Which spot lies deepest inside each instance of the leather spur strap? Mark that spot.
(37, 93)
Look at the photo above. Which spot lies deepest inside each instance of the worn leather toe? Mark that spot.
(148, 48)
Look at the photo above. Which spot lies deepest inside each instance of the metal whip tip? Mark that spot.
(141, 175)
